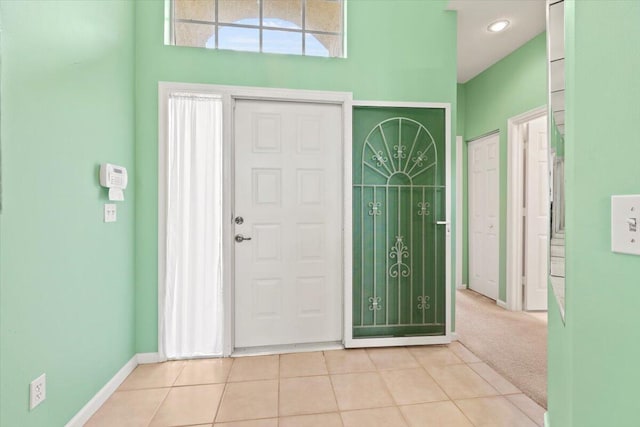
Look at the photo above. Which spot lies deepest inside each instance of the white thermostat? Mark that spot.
(625, 224)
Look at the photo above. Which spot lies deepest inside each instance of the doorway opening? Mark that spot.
(504, 321)
(528, 211)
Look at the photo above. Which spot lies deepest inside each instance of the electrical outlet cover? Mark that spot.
(38, 391)
(110, 212)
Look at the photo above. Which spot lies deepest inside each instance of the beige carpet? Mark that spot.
(513, 343)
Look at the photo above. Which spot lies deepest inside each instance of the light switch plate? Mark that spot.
(625, 224)
(110, 212)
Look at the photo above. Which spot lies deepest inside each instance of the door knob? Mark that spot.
(240, 238)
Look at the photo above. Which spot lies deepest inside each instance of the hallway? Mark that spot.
(513, 343)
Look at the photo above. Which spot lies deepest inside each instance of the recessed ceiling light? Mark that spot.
(498, 26)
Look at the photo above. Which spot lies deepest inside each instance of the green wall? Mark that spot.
(593, 375)
(66, 278)
(514, 85)
(398, 50)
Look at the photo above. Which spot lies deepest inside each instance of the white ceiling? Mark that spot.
(478, 49)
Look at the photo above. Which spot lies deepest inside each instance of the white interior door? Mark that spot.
(537, 216)
(288, 191)
(484, 208)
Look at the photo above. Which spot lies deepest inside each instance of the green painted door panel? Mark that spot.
(398, 195)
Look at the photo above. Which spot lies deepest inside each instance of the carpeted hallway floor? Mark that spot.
(513, 343)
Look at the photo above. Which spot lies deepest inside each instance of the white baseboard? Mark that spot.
(502, 304)
(462, 286)
(547, 423)
(454, 336)
(145, 358)
(101, 396)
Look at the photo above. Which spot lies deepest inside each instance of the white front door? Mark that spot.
(484, 207)
(537, 216)
(288, 192)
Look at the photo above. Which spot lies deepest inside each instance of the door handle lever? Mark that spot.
(240, 238)
(442, 222)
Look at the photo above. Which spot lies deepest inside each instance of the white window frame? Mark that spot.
(170, 21)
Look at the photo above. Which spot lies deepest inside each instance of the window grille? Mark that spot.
(299, 27)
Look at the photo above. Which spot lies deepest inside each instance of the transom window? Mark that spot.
(298, 27)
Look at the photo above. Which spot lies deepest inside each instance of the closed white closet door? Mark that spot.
(288, 192)
(537, 216)
(484, 221)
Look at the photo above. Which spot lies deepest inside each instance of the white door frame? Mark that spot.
(229, 95)
(459, 225)
(515, 183)
(351, 342)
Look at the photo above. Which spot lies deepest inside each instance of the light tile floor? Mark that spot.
(429, 386)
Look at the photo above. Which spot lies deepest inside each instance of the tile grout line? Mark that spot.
(278, 393)
(518, 408)
(497, 373)
(333, 390)
(462, 412)
(445, 391)
(155, 412)
(224, 390)
(167, 395)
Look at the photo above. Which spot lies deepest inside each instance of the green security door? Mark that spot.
(399, 228)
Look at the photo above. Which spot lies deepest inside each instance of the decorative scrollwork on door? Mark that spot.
(398, 194)
(398, 253)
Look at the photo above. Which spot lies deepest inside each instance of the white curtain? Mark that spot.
(193, 276)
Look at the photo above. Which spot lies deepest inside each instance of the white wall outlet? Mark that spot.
(38, 391)
(625, 224)
(110, 212)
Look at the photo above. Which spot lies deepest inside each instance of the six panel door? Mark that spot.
(484, 206)
(288, 181)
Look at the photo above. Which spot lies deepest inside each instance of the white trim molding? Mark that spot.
(515, 182)
(349, 340)
(101, 396)
(501, 304)
(146, 358)
(459, 226)
(229, 95)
